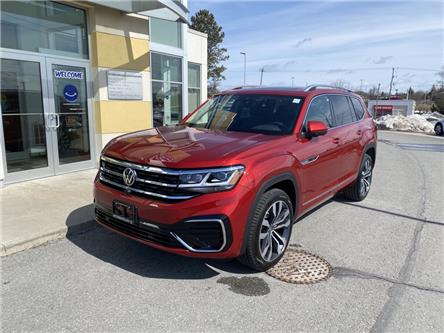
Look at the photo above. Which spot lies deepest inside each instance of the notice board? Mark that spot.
(125, 85)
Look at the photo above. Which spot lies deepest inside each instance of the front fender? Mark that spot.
(262, 180)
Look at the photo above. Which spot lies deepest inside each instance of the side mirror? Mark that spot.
(316, 128)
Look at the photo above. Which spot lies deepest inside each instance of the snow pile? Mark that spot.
(413, 123)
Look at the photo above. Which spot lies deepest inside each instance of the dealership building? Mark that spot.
(395, 107)
(75, 74)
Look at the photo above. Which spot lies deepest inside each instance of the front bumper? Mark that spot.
(208, 226)
(205, 234)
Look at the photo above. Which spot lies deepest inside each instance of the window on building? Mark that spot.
(44, 26)
(166, 32)
(194, 99)
(342, 110)
(167, 89)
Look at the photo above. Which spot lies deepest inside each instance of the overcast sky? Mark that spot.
(325, 41)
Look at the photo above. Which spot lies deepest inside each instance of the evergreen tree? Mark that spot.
(204, 21)
(437, 97)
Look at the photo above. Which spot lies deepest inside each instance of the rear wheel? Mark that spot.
(269, 231)
(358, 190)
(438, 129)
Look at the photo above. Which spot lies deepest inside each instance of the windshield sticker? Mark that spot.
(296, 100)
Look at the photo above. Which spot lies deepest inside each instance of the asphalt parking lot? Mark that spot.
(387, 254)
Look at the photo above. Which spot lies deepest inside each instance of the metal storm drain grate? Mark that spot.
(300, 267)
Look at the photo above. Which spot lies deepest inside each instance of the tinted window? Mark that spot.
(166, 68)
(267, 114)
(44, 26)
(342, 110)
(166, 89)
(359, 110)
(165, 32)
(319, 110)
(194, 93)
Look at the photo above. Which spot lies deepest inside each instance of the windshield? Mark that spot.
(266, 114)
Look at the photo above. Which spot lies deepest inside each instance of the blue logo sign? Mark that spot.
(70, 92)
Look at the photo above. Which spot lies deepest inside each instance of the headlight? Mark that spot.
(211, 180)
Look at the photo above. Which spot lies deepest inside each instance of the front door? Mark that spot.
(46, 124)
(69, 115)
(318, 156)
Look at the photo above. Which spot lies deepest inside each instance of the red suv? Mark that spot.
(234, 176)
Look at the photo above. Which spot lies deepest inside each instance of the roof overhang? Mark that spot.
(172, 10)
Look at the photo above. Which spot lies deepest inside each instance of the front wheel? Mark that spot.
(438, 129)
(359, 189)
(269, 230)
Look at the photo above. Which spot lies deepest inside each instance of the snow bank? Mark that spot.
(413, 123)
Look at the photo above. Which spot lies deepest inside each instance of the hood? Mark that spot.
(182, 147)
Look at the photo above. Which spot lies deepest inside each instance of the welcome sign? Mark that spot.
(64, 74)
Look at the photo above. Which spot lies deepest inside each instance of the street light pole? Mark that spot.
(391, 82)
(262, 75)
(245, 67)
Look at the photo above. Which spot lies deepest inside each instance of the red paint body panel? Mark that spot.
(320, 166)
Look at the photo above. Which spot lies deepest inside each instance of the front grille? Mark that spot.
(153, 233)
(151, 182)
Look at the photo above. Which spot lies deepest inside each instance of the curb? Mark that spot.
(39, 240)
(26, 244)
(410, 133)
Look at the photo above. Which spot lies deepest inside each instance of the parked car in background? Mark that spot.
(439, 127)
(233, 177)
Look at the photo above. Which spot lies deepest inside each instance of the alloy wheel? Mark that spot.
(274, 231)
(366, 178)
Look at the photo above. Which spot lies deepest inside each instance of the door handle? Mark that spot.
(57, 117)
(49, 119)
(336, 141)
(309, 160)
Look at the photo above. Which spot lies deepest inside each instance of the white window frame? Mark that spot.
(182, 83)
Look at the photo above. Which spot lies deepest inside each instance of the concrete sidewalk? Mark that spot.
(37, 211)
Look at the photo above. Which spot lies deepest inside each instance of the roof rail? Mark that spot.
(243, 87)
(323, 86)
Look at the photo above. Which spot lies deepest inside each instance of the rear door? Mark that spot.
(361, 126)
(348, 133)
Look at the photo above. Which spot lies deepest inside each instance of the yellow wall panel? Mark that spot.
(119, 52)
(122, 116)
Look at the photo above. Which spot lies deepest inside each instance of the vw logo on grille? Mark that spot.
(129, 176)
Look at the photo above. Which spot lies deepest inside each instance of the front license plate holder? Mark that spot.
(124, 212)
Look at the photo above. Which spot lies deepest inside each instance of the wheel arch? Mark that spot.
(370, 149)
(286, 182)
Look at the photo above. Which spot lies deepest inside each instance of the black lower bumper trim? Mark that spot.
(197, 234)
(139, 231)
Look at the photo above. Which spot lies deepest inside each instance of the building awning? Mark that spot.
(173, 10)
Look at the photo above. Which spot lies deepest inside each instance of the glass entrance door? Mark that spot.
(45, 125)
(27, 150)
(70, 110)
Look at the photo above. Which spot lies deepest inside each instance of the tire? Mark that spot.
(438, 129)
(358, 190)
(275, 209)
